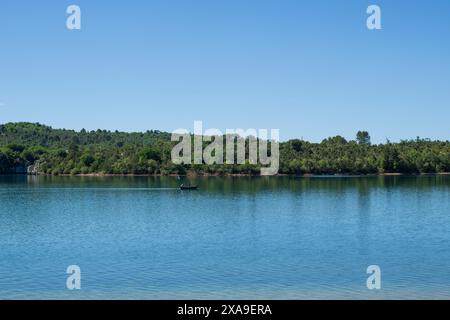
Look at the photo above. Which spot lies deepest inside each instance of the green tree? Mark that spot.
(363, 138)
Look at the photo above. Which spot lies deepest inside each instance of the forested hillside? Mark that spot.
(36, 148)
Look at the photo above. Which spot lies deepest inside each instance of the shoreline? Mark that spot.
(306, 175)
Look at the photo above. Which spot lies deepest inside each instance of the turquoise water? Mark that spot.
(235, 238)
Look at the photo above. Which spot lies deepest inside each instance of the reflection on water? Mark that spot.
(265, 237)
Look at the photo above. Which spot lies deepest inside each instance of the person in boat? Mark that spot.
(188, 187)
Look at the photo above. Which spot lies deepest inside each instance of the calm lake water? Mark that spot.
(241, 238)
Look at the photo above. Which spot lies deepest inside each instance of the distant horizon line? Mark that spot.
(191, 133)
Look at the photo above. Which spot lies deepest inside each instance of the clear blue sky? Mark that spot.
(310, 68)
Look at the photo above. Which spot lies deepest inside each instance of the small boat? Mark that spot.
(183, 187)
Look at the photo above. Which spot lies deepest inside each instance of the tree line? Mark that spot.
(39, 149)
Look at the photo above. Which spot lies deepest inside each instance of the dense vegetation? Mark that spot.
(40, 149)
